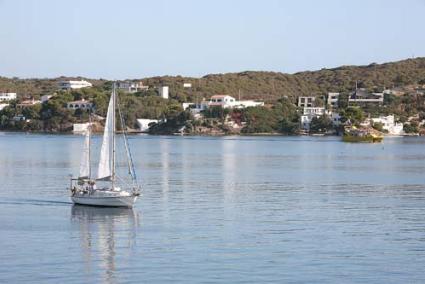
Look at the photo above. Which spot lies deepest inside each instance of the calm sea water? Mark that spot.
(230, 210)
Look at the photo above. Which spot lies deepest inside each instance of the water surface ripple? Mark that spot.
(229, 210)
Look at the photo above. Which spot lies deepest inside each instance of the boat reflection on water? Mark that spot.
(101, 231)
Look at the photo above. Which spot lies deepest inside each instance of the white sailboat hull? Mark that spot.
(109, 201)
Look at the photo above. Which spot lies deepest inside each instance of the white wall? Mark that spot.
(163, 92)
(2, 106)
(143, 123)
(389, 124)
(314, 110)
(7, 96)
(66, 85)
(80, 128)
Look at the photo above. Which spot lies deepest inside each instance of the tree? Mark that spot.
(289, 127)
(402, 79)
(353, 114)
(411, 127)
(378, 126)
(32, 112)
(318, 102)
(216, 112)
(259, 120)
(389, 99)
(321, 124)
(101, 104)
(343, 101)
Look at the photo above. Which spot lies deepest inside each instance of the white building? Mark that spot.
(144, 123)
(82, 104)
(305, 121)
(306, 101)
(4, 97)
(318, 111)
(248, 103)
(70, 85)
(310, 112)
(2, 106)
(45, 98)
(28, 103)
(132, 87)
(395, 91)
(223, 101)
(195, 108)
(226, 101)
(389, 124)
(187, 85)
(333, 99)
(80, 128)
(19, 117)
(335, 117)
(163, 92)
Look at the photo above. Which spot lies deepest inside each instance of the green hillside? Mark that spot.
(270, 86)
(267, 86)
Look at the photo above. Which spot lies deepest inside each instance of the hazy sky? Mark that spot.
(133, 39)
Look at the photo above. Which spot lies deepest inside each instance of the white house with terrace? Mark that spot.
(389, 124)
(333, 99)
(226, 101)
(5, 97)
(310, 112)
(27, 103)
(81, 104)
(131, 87)
(306, 101)
(195, 108)
(74, 84)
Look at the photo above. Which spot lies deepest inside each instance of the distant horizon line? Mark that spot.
(211, 74)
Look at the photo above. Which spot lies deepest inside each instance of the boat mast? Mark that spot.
(89, 130)
(113, 136)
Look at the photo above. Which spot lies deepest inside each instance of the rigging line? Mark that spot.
(127, 148)
(123, 181)
(125, 139)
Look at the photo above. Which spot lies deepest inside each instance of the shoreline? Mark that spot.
(264, 134)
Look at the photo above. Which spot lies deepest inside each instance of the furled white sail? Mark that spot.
(85, 158)
(105, 169)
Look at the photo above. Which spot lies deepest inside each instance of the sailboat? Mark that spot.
(108, 189)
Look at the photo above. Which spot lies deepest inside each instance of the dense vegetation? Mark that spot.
(53, 116)
(278, 90)
(267, 86)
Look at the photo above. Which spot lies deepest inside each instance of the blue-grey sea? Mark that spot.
(218, 209)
